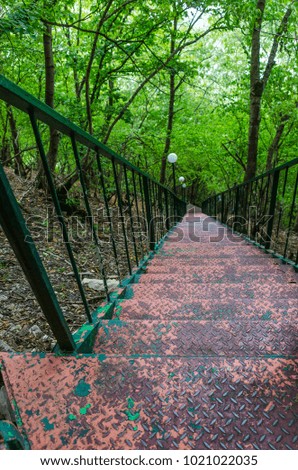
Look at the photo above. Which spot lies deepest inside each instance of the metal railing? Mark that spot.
(151, 209)
(265, 209)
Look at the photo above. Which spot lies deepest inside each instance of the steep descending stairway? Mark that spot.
(200, 356)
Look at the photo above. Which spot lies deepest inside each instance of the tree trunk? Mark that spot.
(18, 162)
(169, 128)
(5, 146)
(171, 108)
(49, 99)
(256, 91)
(273, 149)
(109, 108)
(258, 84)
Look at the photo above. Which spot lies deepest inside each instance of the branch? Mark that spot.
(236, 157)
(275, 44)
(155, 72)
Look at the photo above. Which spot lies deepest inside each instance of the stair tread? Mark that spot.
(100, 402)
(181, 290)
(206, 309)
(197, 338)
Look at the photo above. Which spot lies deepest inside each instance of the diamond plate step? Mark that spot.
(216, 262)
(168, 277)
(197, 338)
(199, 252)
(100, 402)
(208, 309)
(224, 268)
(189, 292)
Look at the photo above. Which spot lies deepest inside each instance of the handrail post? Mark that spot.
(19, 237)
(167, 210)
(236, 203)
(150, 222)
(222, 208)
(272, 209)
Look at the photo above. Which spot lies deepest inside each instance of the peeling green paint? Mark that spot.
(102, 357)
(266, 315)
(132, 416)
(117, 322)
(106, 330)
(16, 412)
(130, 403)
(84, 409)
(47, 425)
(82, 389)
(195, 426)
(129, 293)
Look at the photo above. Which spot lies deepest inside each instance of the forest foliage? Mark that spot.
(214, 81)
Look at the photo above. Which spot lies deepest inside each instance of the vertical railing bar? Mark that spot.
(255, 202)
(151, 236)
(162, 207)
(143, 206)
(283, 195)
(250, 193)
(272, 209)
(167, 210)
(291, 215)
(58, 211)
(151, 205)
(267, 194)
(106, 203)
(156, 211)
(121, 215)
(89, 214)
(137, 209)
(222, 208)
(130, 215)
(246, 210)
(19, 237)
(162, 210)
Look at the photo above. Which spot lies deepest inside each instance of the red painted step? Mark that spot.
(101, 402)
(188, 338)
(214, 277)
(196, 291)
(209, 309)
(200, 355)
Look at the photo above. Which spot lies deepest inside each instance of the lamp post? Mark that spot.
(181, 180)
(184, 190)
(172, 158)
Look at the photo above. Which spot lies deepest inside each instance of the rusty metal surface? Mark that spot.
(193, 291)
(209, 309)
(197, 338)
(156, 403)
(201, 354)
